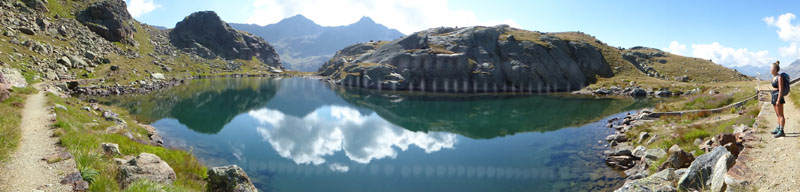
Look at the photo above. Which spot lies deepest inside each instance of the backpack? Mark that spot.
(786, 83)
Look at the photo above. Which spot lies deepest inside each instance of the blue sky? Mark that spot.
(732, 33)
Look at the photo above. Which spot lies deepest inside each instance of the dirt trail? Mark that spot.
(775, 160)
(26, 171)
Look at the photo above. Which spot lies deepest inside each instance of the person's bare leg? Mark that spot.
(781, 117)
(778, 112)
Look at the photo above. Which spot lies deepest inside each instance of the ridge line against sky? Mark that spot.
(732, 33)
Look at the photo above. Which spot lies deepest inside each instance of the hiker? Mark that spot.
(780, 83)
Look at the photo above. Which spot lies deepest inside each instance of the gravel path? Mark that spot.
(26, 171)
(775, 160)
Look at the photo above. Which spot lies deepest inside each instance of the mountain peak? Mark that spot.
(366, 20)
(298, 19)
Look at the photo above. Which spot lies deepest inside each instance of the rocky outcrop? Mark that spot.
(229, 178)
(621, 159)
(677, 158)
(38, 5)
(205, 34)
(701, 173)
(145, 166)
(472, 59)
(12, 77)
(661, 182)
(109, 19)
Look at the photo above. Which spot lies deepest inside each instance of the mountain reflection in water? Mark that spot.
(284, 131)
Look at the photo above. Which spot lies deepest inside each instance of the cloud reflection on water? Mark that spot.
(330, 129)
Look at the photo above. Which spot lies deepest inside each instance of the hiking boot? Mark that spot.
(777, 128)
(780, 133)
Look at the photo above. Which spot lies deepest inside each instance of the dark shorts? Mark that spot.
(775, 98)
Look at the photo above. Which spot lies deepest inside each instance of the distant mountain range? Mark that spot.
(304, 45)
(763, 72)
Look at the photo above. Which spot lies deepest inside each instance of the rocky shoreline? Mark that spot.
(635, 91)
(139, 87)
(681, 169)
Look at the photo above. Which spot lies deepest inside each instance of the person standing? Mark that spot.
(779, 82)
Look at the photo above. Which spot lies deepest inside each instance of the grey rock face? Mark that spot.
(39, 5)
(229, 178)
(472, 59)
(12, 77)
(109, 19)
(205, 34)
(700, 172)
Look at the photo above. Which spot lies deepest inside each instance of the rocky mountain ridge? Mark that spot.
(206, 35)
(505, 59)
(305, 45)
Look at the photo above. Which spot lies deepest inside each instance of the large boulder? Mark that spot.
(145, 166)
(720, 170)
(701, 172)
(205, 34)
(229, 178)
(677, 158)
(660, 182)
(39, 5)
(471, 59)
(621, 158)
(109, 19)
(12, 77)
(110, 148)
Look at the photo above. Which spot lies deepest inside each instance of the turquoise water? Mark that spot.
(304, 135)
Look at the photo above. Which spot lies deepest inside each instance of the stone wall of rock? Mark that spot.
(472, 59)
(109, 19)
(205, 34)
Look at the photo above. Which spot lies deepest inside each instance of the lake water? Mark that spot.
(300, 134)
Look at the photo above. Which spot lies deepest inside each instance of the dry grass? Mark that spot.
(524, 35)
(699, 70)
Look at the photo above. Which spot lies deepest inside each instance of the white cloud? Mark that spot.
(407, 16)
(726, 56)
(789, 51)
(336, 167)
(137, 8)
(676, 48)
(786, 30)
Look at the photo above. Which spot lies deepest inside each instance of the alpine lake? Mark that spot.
(301, 134)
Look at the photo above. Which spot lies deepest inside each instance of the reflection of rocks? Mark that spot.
(362, 138)
(211, 104)
(469, 116)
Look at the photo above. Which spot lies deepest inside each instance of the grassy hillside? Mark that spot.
(669, 65)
